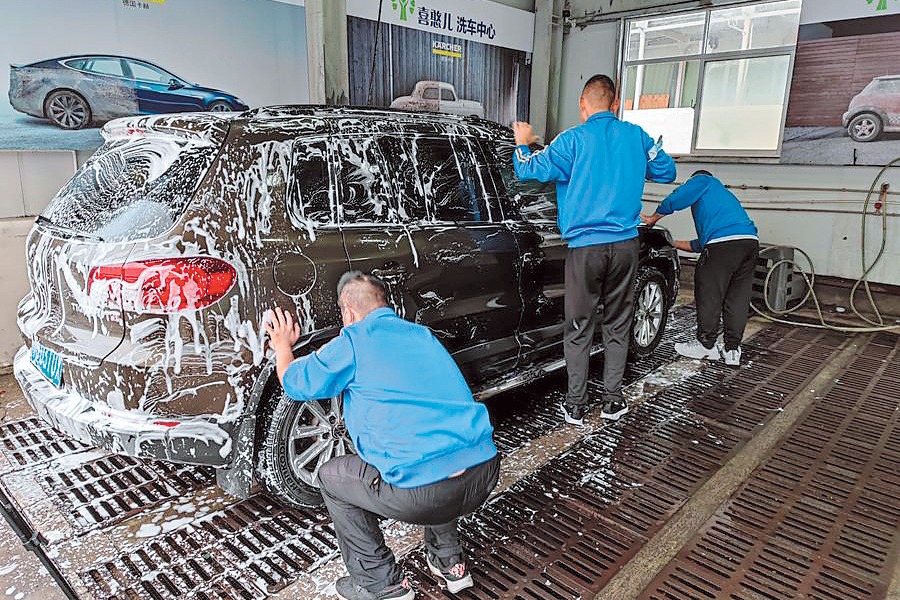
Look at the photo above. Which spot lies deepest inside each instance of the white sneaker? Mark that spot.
(732, 357)
(695, 349)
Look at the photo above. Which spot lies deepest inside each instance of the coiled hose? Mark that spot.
(872, 325)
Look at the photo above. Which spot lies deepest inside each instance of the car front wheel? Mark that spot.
(220, 106)
(67, 109)
(295, 440)
(651, 311)
(866, 127)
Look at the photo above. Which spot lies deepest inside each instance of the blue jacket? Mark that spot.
(599, 168)
(717, 212)
(407, 407)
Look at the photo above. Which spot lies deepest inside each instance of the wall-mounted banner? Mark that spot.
(474, 20)
(72, 65)
(822, 11)
(844, 107)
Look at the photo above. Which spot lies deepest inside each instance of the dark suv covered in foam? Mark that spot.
(152, 269)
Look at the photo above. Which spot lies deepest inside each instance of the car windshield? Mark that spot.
(131, 188)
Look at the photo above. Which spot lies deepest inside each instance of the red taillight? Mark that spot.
(167, 423)
(162, 285)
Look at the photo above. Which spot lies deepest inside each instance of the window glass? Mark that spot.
(149, 73)
(430, 93)
(309, 200)
(743, 103)
(403, 165)
(447, 95)
(661, 98)
(449, 179)
(661, 37)
(527, 200)
(365, 191)
(754, 26)
(105, 66)
(76, 64)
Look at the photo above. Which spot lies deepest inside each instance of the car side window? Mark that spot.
(145, 72)
(362, 178)
(104, 66)
(309, 197)
(402, 164)
(430, 93)
(450, 179)
(528, 200)
(447, 95)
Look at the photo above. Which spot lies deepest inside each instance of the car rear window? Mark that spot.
(131, 188)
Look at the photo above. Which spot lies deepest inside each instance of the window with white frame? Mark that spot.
(712, 82)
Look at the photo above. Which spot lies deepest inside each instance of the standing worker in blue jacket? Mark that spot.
(723, 279)
(426, 453)
(599, 168)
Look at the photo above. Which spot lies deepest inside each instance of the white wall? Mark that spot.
(832, 238)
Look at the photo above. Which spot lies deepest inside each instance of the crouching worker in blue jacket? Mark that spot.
(723, 280)
(426, 453)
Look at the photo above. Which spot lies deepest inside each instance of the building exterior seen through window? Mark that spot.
(712, 82)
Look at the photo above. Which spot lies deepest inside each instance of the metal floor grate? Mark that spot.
(563, 532)
(30, 441)
(247, 551)
(820, 519)
(111, 488)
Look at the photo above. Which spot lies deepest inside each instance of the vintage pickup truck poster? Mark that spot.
(467, 57)
(844, 106)
(71, 65)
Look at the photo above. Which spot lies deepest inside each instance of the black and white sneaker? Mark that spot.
(574, 415)
(613, 410)
(457, 578)
(347, 590)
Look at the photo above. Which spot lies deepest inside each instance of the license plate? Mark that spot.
(48, 362)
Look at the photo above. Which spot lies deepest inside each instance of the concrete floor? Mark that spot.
(21, 575)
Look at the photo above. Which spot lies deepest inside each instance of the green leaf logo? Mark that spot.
(882, 4)
(408, 6)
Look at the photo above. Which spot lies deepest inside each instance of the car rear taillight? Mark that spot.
(162, 285)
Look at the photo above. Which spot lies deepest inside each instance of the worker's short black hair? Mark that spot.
(600, 87)
(701, 172)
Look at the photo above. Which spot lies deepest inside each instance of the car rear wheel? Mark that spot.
(67, 109)
(294, 441)
(866, 127)
(220, 106)
(651, 311)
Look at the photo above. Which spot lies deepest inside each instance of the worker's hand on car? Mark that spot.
(282, 329)
(524, 133)
(650, 219)
(684, 245)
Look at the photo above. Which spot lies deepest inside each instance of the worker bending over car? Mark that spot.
(426, 453)
(723, 280)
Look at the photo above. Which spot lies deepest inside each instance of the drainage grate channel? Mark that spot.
(247, 551)
(529, 413)
(30, 441)
(111, 488)
(564, 531)
(820, 519)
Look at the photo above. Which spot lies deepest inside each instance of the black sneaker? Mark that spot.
(347, 590)
(574, 415)
(613, 410)
(456, 577)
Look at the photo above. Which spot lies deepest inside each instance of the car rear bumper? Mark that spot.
(196, 441)
(846, 118)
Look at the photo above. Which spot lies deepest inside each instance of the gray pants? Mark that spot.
(357, 498)
(594, 274)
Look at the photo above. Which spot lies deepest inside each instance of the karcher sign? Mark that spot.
(446, 49)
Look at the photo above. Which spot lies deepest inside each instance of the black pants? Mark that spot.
(357, 498)
(603, 273)
(723, 282)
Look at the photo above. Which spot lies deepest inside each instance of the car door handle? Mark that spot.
(390, 273)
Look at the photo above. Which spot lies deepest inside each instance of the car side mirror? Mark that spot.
(174, 84)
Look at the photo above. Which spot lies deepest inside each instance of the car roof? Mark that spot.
(887, 77)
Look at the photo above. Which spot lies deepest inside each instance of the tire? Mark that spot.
(865, 127)
(219, 106)
(294, 440)
(67, 109)
(651, 311)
